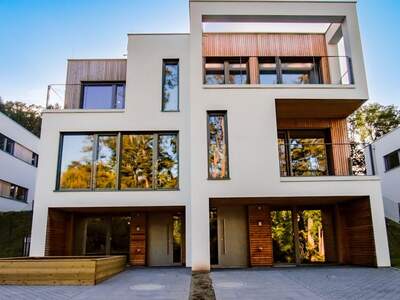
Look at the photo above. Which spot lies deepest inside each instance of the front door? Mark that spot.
(164, 239)
(232, 236)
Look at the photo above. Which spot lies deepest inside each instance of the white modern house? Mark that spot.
(18, 166)
(386, 164)
(201, 149)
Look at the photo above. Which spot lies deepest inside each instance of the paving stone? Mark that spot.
(175, 284)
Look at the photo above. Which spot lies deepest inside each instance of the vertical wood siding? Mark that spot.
(79, 71)
(263, 44)
(260, 237)
(59, 234)
(137, 244)
(357, 232)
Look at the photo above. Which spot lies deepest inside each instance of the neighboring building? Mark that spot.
(386, 165)
(215, 148)
(18, 165)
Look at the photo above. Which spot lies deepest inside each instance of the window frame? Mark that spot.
(165, 62)
(35, 157)
(286, 133)
(224, 113)
(226, 61)
(119, 149)
(25, 200)
(113, 84)
(386, 160)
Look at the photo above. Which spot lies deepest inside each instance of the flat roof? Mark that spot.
(161, 33)
(283, 1)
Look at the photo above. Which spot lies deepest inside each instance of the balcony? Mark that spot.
(279, 70)
(86, 96)
(311, 157)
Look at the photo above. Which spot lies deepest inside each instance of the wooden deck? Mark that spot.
(59, 270)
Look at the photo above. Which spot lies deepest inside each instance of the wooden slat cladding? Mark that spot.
(328, 226)
(59, 233)
(79, 71)
(260, 235)
(137, 244)
(263, 44)
(357, 232)
(339, 138)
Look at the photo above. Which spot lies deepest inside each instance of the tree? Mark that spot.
(366, 124)
(28, 116)
(372, 121)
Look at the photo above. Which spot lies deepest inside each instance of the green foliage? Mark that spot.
(393, 232)
(14, 226)
(372, 121)
(311, 236)
(28, 116)
(282, 236)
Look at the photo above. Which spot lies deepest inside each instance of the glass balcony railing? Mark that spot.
(93, 95)
(332, 70)
(305, 158)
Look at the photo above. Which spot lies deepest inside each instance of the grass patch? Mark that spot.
(201, 287)
(14, 226)
(393, 231)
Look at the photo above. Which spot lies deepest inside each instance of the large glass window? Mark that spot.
(392, 160)
(217, 146)
(106, 162)
(226, 70)
(137, 161)
(300, 70)
(103, 95)
(119, 161)
(13, 191)
(170, 89)
(76, 161)
(167, 161)
(304, 153)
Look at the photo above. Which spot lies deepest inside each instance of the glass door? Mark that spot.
(282, 237)
(311, 236)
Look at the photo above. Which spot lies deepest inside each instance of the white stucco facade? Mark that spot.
(14, 170)
(389, 178)
(252, 127)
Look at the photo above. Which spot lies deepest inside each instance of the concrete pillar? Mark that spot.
(39, 228)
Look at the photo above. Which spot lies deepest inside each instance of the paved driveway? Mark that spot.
(307, 283)
(146, 283)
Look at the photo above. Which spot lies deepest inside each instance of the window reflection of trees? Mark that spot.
(76, 164)
(308, 157)
(136, 162)
(139, 167)
(170, 86)
(167, 162)
(217, 158)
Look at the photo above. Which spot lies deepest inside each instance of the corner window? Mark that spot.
(228, 70)
(170, 85)
(217, 145)
(103, 95)
(392, 160)
(13, 191)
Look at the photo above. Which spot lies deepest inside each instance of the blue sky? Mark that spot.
(37, 37)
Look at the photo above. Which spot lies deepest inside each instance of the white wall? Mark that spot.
(142, 112)
(253, 151)
(390, 179)
(15, 170)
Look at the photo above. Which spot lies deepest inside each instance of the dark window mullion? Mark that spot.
(226, 72)
(155, 160)
(279, 76)
(94, 162)
(118, 162)
(114, 96)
